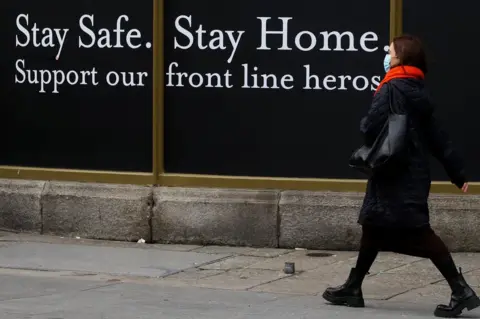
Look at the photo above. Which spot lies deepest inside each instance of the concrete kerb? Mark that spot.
(20, 205)
(100, 211)
(232, 217)
(87, 210)
(323, 220)
(235, 217)
(319, 220)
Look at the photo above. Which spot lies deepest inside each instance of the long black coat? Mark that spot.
(399, 198)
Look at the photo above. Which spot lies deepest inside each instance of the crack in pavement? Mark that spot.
(426, 285)
(397, 267)
(197, 266)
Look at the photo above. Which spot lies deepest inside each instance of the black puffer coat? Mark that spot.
(399, 198)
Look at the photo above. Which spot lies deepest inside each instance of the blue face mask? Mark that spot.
(386, 62)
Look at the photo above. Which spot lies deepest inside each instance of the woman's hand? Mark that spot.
(465, 188)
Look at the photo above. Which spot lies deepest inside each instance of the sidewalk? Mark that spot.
(393, 277)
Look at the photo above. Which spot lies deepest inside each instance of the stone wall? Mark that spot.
(237, 217)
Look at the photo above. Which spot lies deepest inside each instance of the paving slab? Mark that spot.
(336, 273)
(380, 286)
(16, 287)
(188, 278)
(192, 275)
(384, 286)
(112, 260)
(388, 261)
(467, 261)
(472, 278)
(241, 279)
(302, 261)
(292, 285)
(330, 274)
(99, 281)
(235, 262)
(74, 299)
(431, 294)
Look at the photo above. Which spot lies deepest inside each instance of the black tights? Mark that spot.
(421, 242)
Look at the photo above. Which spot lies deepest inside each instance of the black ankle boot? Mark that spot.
(349, 294)
(462, 297)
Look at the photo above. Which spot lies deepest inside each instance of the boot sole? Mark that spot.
(470, 304)
(354, 302)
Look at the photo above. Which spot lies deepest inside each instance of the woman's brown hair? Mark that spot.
(409, 50)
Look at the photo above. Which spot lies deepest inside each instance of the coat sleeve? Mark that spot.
(442, 149)
(372, 124)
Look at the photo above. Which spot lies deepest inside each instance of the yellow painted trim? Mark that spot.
(158, 86)
(217, 181)
(313, 184)
(76, 175)
(213, 181)
(396, 18)
(155, 98)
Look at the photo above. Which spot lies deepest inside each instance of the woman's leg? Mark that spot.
(463, 296)
(350, 293)
(369, 247)
(425, 243)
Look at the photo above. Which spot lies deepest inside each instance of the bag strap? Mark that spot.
(390, 97)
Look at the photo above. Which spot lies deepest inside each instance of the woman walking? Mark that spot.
(395, 215)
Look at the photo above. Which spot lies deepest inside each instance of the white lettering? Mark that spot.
(217, 37)
(327, 80)
(183, 31)
(264, 81)
(85, 29)
(326, 37)
(116, 78)
(370, 37)
(284, 33)
(313, 41)
(360, 78)
(196, 80)
(309, 78)
(105, 35)
(55, 78)
(19, 65)
(22, 29)
(48, 37)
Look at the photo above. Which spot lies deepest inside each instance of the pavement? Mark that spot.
(45, 277)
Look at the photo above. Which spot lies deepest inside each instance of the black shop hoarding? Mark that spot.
(449, 33)
(270, 88)
(76, 84)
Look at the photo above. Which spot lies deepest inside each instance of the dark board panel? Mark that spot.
(447, 32)
(75, 115)
(225, 127)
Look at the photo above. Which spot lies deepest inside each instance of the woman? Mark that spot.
(394, 215)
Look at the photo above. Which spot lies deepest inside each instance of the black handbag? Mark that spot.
(389, 146)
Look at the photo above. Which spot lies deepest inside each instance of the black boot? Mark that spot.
(462, 297)
(349, 294)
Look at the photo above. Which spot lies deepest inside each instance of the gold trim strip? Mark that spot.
(312, 184)
(215, 181)
(76, 175)
(396, 18)
(160, 87)
(155, 97)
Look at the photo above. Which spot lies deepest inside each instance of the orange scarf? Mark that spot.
(402, 72)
